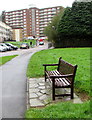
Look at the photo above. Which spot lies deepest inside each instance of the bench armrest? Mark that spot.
(61, 76)
(50, 64)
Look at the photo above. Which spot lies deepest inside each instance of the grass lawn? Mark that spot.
(79, 56)
(5, 59)
(61, 110)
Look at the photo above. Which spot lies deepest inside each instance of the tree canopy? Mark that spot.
(76, 21)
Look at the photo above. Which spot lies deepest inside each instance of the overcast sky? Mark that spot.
(10, 5)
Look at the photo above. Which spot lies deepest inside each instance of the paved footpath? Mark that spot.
(13, 85)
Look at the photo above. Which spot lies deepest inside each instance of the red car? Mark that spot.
(41, 42)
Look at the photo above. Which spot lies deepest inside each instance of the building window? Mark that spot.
(24, 19)
(53, 9)
(37, 22)
(24, 22)
(37, 28)
(49, 9)
(24, 13)
(58, 8)
(45, 13)
(49, 15)
(49, 12)
(37, 19)
(45, 10)
(24, 10)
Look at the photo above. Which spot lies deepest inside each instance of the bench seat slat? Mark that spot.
(58, 81)
(65, 81)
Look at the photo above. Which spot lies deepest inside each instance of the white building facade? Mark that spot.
(5, 32)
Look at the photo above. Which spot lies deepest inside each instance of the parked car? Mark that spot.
(2, 49)
(12, 46)
(7, 47)
(41, 42)
(24, 46)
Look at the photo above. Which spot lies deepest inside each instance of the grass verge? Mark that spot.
(5, 59)
(61, 110)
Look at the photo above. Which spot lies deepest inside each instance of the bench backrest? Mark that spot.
(67, 68)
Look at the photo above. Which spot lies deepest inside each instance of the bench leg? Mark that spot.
(45, 77)
(53, 89)
(45, 73)
(72, 96)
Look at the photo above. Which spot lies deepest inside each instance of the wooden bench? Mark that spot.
(63, 77)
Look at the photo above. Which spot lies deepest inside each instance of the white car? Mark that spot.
(12, 46)
(2, 49)
(4, 45)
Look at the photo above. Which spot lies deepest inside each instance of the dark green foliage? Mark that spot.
(3, 16)
(77, 20)
(76, 23)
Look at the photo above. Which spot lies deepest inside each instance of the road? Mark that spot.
(13, 83)
(22, 51)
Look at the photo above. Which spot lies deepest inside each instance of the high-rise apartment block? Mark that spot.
(32, 20)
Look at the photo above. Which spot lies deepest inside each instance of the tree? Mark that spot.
(76, 22)
(51, 30)
(3, 16)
